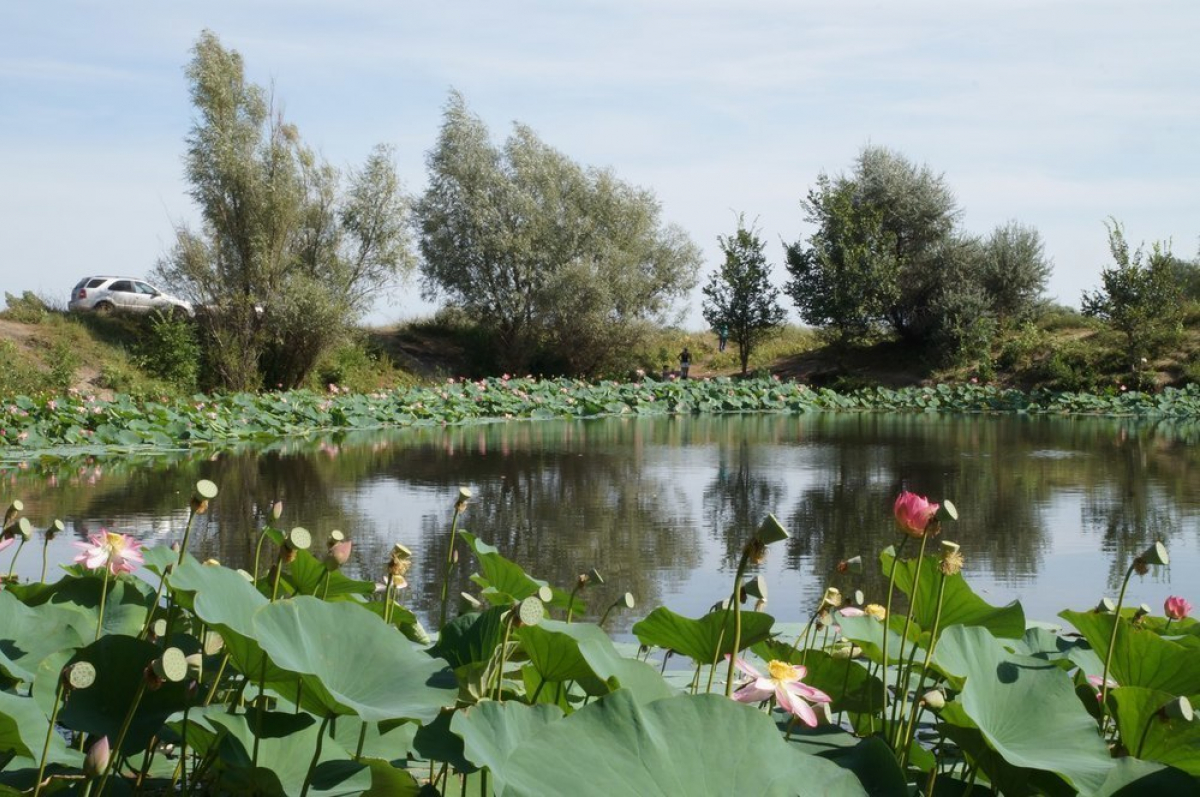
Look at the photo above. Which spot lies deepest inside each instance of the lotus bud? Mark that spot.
(852, 565)
(338, 554)
(276, 510)
(96, 760)
(755, 587)
(771, 531)
(53, 529)
(1178, 709)
(14, 509)
(934, 699)
(1156, 554)
(1105, 606)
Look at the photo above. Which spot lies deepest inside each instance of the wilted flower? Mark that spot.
(1177, 608)
(914, 514)
(876, 611)
(952, 560)
(782, 681)
(118, 552)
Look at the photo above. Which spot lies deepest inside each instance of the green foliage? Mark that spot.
(1140, 297)
(564, 265)
(28, 308)
(739, 297)
(170, 351)
(289, 252)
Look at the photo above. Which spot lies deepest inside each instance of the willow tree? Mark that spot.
(564, 265)
(289, 251)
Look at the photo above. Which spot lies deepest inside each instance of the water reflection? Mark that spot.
(1052, 508)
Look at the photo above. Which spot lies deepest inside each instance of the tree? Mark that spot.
(1014, 271)
(1139, 297)
(739, 295)
(285, 259)
(563, 266)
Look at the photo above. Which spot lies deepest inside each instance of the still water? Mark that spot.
(1051, 509)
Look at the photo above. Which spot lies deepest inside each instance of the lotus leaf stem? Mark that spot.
(316, 755)
(908, 619)
(58, 698)
(1112, 645)
(116, 748)
(887, 620)
(187, 532)
(933, 640)
(736, 605)
(46, 548)
(458, 507)
(12, 565)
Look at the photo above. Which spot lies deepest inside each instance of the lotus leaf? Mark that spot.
(490, 731)
(350, 663)
(28, 634)
(687, 744)
(701, 640)
(870, 759)
(1148, 735)
(1026, 708)
(470, 638)
(960, 604)
(23, 727)
(128, 602)
(307, 576)
(1141, 657)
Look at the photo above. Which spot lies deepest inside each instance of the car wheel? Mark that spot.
(178, 313)
(104, 308)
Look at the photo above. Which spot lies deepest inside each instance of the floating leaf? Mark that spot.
(703, 640)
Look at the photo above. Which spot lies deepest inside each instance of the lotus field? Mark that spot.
(144, 671)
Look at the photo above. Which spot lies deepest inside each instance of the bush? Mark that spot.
(28, 308)
(168, 350)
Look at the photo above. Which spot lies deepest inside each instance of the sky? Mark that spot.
(1059, 115)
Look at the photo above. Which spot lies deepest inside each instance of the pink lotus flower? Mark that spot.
(914, 513)
(1177, 608)
(118, 552)
(782, 681)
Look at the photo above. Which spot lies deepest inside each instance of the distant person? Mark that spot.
(685, 362)
(722, 337)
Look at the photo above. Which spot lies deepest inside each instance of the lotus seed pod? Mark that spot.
(159, 628)
(335, 537)
(206, 490)
(1141, 612)
(195, 666)
(947, 511)
(832, 597)
(628, 600)
(80, 675)
(934, 699)
(1156, 554)
(545, 594)
(949, 547)
(771, 531)
(852, 565)
(471, 601)
(464, 493)
(299, 539)
(1179, 709)
(859, 597)
(213, 643)
(595, 576)
(401, 551)
(1105, 606)
(54, 528)
(25, 528)
(172, 665)
(755, 587)
(530, 611)
(276, 510)
(13, 510)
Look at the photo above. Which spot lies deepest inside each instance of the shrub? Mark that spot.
(168, 349)
(28, 308)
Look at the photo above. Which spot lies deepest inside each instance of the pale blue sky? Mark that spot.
(1057, 114)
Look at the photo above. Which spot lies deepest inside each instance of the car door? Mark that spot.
(122, 294)
(147, 297)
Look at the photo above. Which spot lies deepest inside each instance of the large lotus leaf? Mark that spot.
(283, 761)
(703, 640)
(960, 604)
(306, 576)
(120, 663)
(23, 727)
(490, 731)
(125, 609)
(1043, 643)
(1141, 657)
(1147, 735)
(1133, 778)
(850, 685)
(687, 744)
(1026, 708)
(870, 759)
(583, 652)
(1005, 778)
(29, 634)
(160, 557)
(352, 662)
(470, 638)
(383, 741)
(506, 581)
(867, 633)
(403, 619)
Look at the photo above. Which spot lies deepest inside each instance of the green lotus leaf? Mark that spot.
(870, 759)
(867, 633)
(703, 640)
(849, 683)
(1131, 777)
(159, 557)
(307, 576)
(351, 663)
(960, 604)
(505, 581)
(28, 634)
(128, 602)
(471, 637)
(23, 727)
(403, 619)
(1140, 657)
(490, 731)
(120, 663)
(584, 653)
(677, 745)
(1026, 708)
(1149, 736)
(387, 741)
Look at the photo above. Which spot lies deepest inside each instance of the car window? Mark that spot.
(144, 288)
(121, 286)
(95, 282)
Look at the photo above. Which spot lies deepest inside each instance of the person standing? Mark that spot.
(685, 362)
(722, 337)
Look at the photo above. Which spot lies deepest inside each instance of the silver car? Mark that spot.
(106, 294)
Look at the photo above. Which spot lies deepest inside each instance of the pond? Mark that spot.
(1051, 509)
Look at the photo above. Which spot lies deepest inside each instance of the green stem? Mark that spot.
(145, 632)
(1141, 741)
(46, 548)
(933, 640)
(503, 659)
(116, 748)
(187, 532)
(571, 602)
(262, 536)
(1112, 645)
(736, 603)
(449, 565)
(362, 740)
(103, 595)
(12, 566)
(312, 766)
(259, 708)
(212, 690)
(325, 584)
(58, 697)
(887, 620)
(908, 619)
(278, 572)
(1166, 627)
